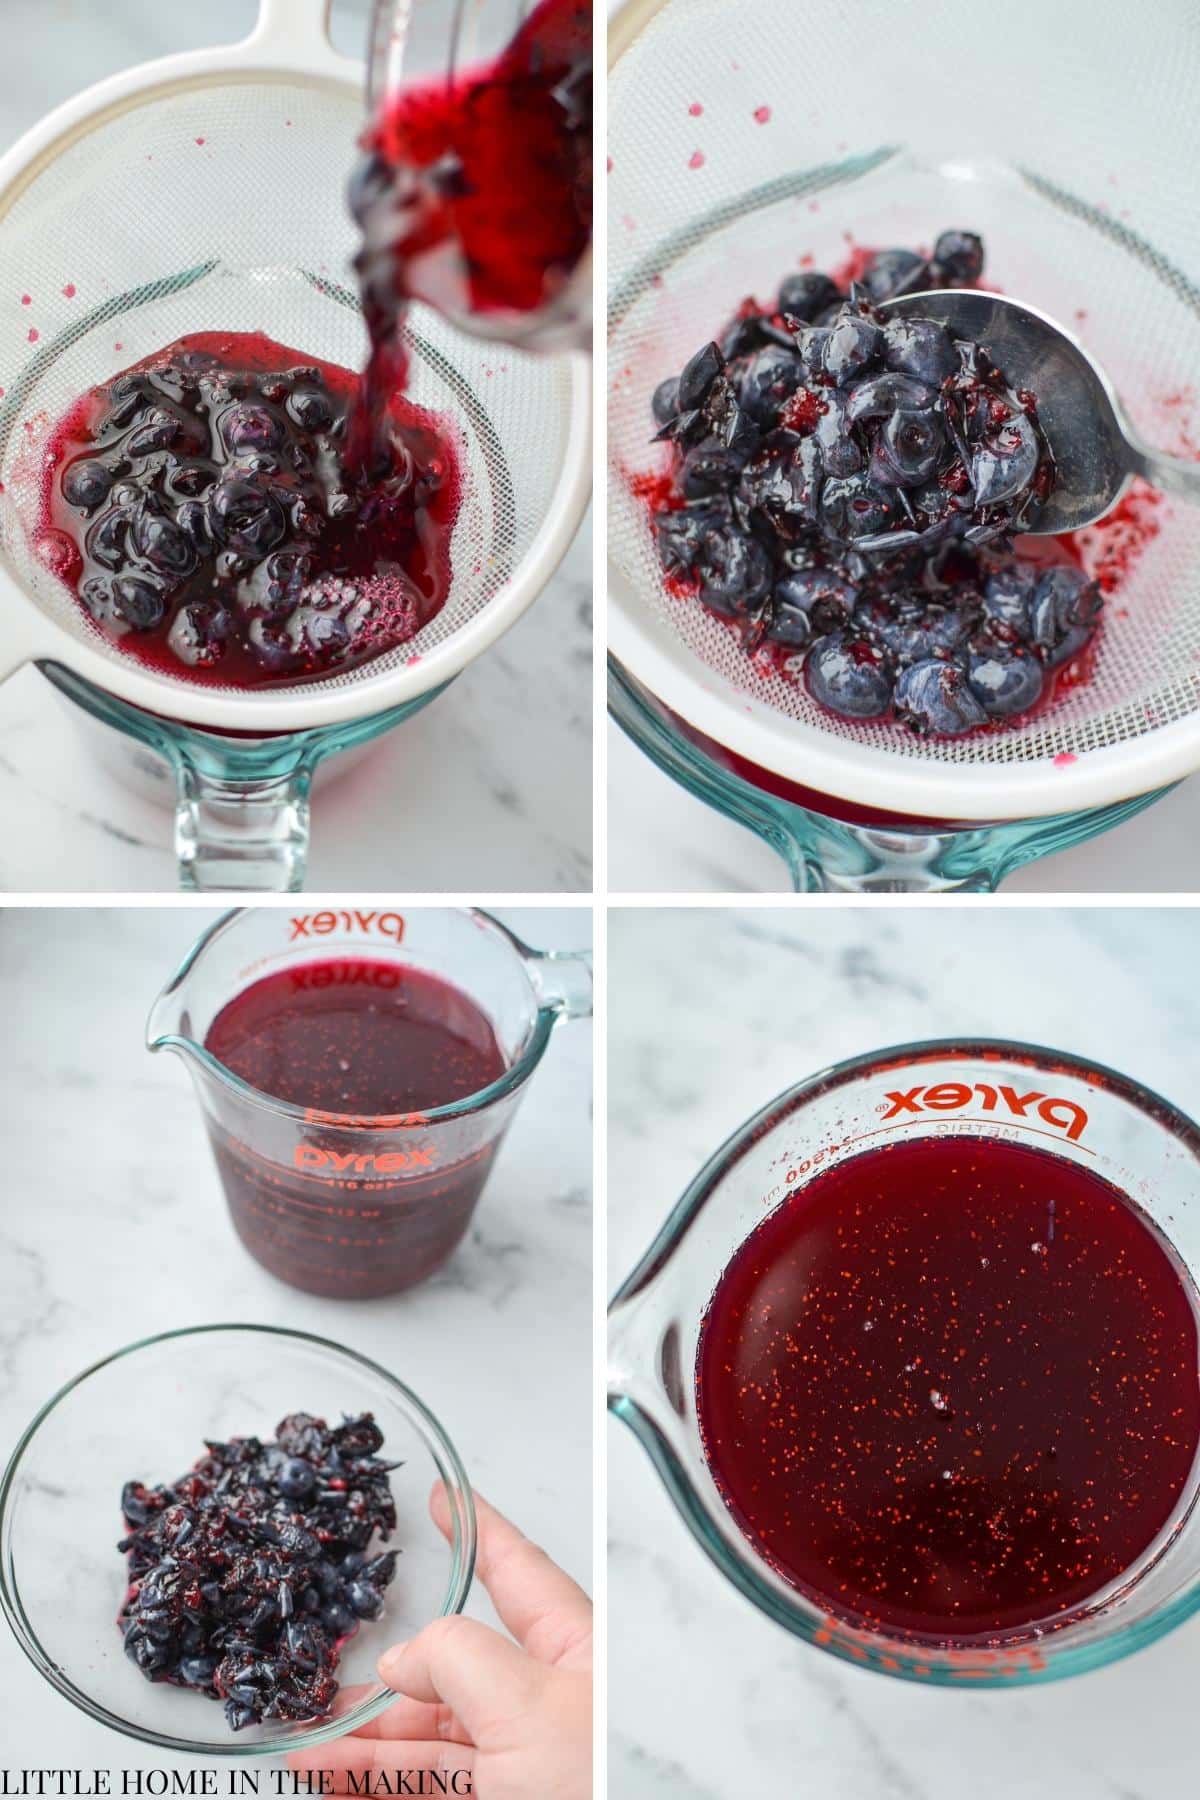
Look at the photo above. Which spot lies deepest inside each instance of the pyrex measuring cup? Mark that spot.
(1017, 1092)
(346, 1206)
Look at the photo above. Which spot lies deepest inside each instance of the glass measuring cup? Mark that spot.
(1019, 1093)
(357, 1207)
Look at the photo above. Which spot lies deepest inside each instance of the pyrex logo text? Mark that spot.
(334, 1162)
(948, 1096)
(320, 924)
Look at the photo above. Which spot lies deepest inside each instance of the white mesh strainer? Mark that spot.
(206, 192)
(745, 138)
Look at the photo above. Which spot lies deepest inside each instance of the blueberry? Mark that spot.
(920, 348)
(1005, 682)
(804, 295)
(892, 272)
(1006, 600)
(699, 373)
(197, 1671)
(708, 470)
(158, 431)
(847, 676)
(811, 343)
(310, 410)
(879, 395)
(1063, 614)
(911, 446)
(128, 396)
(853, 508)
(852, 345)
(188, 481)
(86, 484)
(159, 541)
(364, 1600)
(665, 403)
(841, 453)
(915, 631)
(769, 379)
(106, 540)
(808, 602)
(199, 632)
(247, 427)
(296, 1479)
(958, 258)
(679, 535)
(933, 697)
(339, 1621)
(139, 601)
(1004, 466)
(734, 571)
(245, 517)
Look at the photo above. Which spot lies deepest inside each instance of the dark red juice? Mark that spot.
(363, 1197)
(950, 1387)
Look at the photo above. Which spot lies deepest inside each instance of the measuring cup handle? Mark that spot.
(247, 835)
(563, 980)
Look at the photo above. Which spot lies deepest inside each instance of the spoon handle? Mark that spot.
(1173, 474)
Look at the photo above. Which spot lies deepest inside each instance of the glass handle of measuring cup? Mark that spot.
(237, 833)
(563, 981)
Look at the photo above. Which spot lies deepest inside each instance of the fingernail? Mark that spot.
(389, 1664)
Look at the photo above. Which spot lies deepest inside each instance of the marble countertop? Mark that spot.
(493, 781)
(663, 840)
(710, 1013)
(110, 1242)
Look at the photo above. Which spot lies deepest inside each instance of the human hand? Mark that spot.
(511, 1719)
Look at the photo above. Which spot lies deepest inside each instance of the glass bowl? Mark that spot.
(1020, 1093)
(143, 1414)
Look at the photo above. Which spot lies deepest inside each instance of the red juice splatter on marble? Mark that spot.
(372, 1043)
(950, 1387)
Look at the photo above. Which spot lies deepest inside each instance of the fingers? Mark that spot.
(358, 1757)
(417, 1720)
(544, 1609)
(468, 1667)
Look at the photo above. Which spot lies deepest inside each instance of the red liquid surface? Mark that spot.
(950, 1387)
(375, 1041)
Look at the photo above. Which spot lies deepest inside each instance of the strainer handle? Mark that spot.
(1173, 474)
(247, 835)
(295, 33)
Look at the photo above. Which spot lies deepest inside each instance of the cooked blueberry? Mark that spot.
(846, 675)
(248, 427)
(808, 602)
(958, 257)
(852, 345)
(159, 540)
(86, 484)
(934, 697)
(920, 348)
(1007, 597)
(734, 571)
(1005, 682)
(665, 403)
(804, 295)
(699, 373)
(1005, 465)
(770, 378)
(245, 517)
(310, 409)
(708, 470)
(296, 1479)
(1063, 614)
(914, 630)
(892, 272)
(911, 446)
(852, 508)
(138, 601)
(878, 396)
(199, 632)
(106, 540)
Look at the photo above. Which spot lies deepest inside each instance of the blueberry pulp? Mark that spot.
(248, 1573)
(845, 489)
(210, 513)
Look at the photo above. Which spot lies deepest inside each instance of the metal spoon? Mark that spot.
(1095, 447)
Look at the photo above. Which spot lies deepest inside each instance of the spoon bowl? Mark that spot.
(1096, 450)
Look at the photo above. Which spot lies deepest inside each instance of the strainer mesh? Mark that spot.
(727, 173)
(220, 206)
